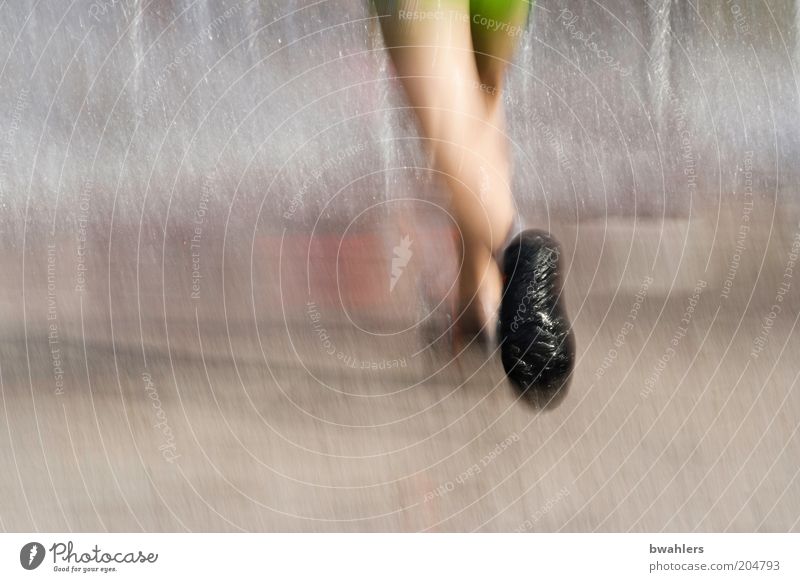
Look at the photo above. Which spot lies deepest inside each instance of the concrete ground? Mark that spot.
(305, 395)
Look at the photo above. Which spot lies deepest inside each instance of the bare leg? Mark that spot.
(431, 46)
(451, 56)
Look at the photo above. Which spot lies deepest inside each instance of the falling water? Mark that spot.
(543, 70)
(590, 89)
(134, 12)
(796, 63)
(659, 64)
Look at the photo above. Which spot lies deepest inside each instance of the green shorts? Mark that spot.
(495, 25)
(508, 16)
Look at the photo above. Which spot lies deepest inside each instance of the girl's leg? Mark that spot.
(537, 342)
(497, 26)
(456, 96)
(431, 46)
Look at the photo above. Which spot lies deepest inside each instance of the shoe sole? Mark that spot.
(537, 340)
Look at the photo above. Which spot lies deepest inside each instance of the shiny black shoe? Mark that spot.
(536, 339)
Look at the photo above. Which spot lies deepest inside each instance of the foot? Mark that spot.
(538, 345)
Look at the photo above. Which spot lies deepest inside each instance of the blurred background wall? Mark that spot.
(615, 107)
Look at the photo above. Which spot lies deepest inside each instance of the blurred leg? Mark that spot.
(496, 26)
(431, 46)
(537, 344)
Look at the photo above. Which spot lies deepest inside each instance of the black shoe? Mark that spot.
(537, 341)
